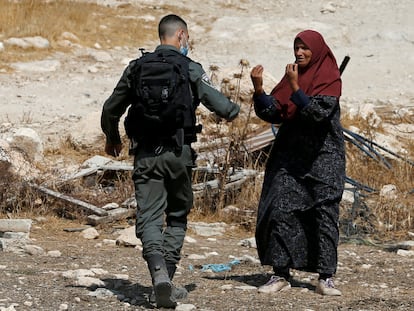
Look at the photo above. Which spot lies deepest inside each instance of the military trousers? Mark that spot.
(163, 191)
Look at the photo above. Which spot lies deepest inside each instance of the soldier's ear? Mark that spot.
(181, 34)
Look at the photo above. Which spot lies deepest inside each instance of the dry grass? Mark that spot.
(375, 215)
(15, 197)
(90, 23)
(387, 217)
(374, 173)
(123, 26)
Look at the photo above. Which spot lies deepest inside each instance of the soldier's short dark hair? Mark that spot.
(169, 24)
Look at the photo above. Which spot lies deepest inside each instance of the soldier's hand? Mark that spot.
(113, 149)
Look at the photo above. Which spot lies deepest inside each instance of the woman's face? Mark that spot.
(303, 54)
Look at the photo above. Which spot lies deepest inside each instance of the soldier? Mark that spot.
(163, 163)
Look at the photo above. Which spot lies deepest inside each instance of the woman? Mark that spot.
(304, 180)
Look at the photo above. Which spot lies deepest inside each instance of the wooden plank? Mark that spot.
(113, 215)
(214, 184)
(82, 173)
(85, 206)
(92, 170)
(216, 149)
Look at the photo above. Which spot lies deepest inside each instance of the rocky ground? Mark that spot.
(63, 270)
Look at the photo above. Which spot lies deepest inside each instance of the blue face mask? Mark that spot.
(184, 48)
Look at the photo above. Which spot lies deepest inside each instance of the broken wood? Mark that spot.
(85, 206)
(233, 181)
(113, 215)
(92, 170)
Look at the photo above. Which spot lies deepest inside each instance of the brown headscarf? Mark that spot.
(320, 77)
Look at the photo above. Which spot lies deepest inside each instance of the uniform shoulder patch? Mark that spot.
(206, 79)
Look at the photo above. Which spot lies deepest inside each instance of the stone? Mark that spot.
(389, 192)
(28, 42)
(127, 237)
(250, 243)
(37, 66)
(13, 245)
(196, 257)
(13, 162)
(231, 209)
(90, 234)
(189, 239)
(63, 306)
(208, 229)
(407, 245)
(101, 293)
(110, 206)
(15, 225)
(9, 308)
(249, 258)
(28, 141)
(15, 235)
(226, 287)
(54, 254)
(109, 242)
(72, 274)
(185, 307)
(34, 250)
(87, 134)
(100, 56)
(99, 271)
(405, 253)
(87, 281)
(211, 254)
(348, 197)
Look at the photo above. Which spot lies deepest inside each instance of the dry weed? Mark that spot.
(17, 198)
(124, 26)
(92, 25)
(386, 217)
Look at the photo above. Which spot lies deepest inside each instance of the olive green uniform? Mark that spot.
(163, 181)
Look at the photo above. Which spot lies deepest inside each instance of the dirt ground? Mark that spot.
(370, 277)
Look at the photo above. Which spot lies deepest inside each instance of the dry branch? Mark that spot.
(113, 215)
(84, 205)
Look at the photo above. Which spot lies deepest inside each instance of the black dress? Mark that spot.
(297, 222)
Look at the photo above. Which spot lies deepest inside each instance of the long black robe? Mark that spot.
(297, 222)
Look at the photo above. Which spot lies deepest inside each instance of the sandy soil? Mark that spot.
(377, 35)
(371, 278)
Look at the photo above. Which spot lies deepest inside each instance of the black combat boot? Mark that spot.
(177, 293)
(171, 268)
(161, 282)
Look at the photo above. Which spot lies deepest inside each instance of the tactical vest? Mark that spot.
(163, 111)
